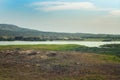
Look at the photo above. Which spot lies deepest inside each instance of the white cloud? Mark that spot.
(59, 5)
(115, 12)
(52, 6)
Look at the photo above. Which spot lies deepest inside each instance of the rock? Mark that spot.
(77, 63)
(27, 66)
(43, 57)
(37, 65)
(32, 53)
(52, 54)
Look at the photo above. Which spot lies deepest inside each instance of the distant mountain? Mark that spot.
(12, 31)
(10, 27)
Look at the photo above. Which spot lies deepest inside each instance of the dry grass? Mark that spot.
(57, 65)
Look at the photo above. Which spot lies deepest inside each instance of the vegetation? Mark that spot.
(11, 32)
(59, 62)
(103, 49)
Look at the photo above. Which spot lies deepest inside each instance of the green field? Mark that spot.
(113, 49)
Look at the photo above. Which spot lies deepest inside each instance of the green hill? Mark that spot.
(13, 32)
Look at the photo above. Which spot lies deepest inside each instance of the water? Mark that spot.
(86, 43)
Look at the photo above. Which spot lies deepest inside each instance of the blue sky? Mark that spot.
(86, 16)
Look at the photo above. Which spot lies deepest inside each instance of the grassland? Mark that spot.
(59, 62)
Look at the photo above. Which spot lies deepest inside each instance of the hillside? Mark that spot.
(13, 32)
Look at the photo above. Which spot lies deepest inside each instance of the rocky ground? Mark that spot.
(56, 65)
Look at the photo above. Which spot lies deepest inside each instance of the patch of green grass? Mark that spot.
(112, 50)
(71, 47)
(111, 58)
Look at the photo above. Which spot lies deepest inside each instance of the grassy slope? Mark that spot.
(20, 62)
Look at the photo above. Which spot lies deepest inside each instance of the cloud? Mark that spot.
(53, 6)
(60, 5)
(115, 12)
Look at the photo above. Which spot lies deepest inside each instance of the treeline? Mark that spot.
(52, 38)
(104, 38)
(43, 38)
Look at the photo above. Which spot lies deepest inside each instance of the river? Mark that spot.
(86, 43)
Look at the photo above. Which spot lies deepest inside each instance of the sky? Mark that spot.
(76, 16)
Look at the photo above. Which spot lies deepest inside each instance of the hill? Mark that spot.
(13, 32)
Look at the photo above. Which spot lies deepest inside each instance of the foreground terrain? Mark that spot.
(48, 63)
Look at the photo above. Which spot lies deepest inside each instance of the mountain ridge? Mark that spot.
(10, 30)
